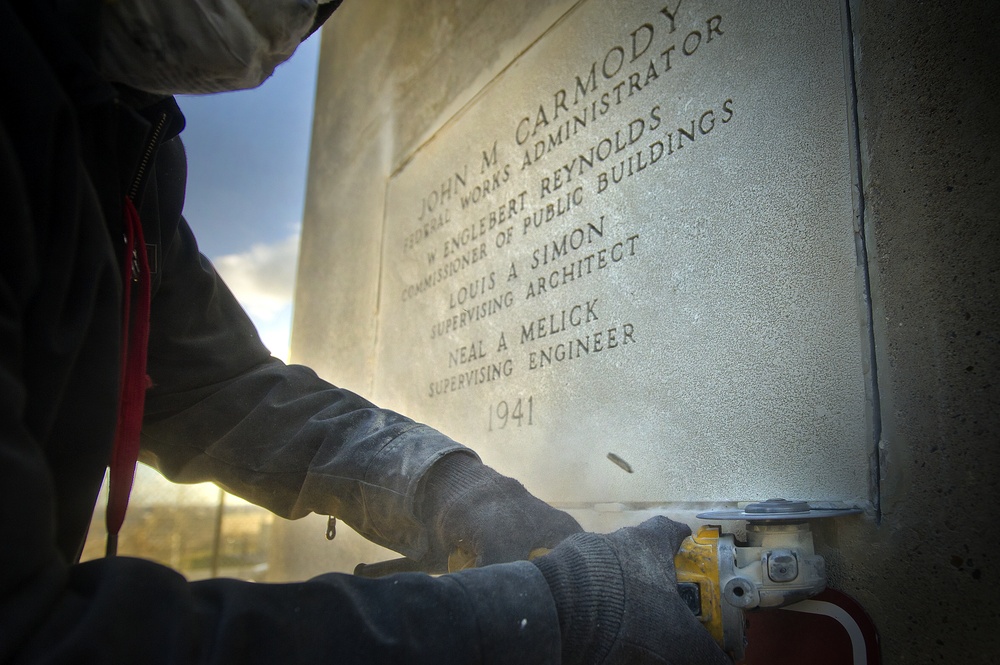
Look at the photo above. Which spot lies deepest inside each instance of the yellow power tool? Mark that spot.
(721, 577)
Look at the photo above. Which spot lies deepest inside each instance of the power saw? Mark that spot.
(719, 576)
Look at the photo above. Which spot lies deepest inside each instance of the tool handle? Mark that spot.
(460, 559)
(391, 567)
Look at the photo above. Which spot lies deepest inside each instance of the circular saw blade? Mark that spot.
(777, 509)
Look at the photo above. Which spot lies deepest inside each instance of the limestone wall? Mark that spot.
(657, 256)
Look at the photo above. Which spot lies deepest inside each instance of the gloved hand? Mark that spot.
(617, 599)
(470, 507)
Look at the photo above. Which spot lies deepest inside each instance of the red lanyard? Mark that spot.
(134, 382)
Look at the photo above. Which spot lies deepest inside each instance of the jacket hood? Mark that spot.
(174, 47)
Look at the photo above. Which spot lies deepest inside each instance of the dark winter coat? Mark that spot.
(220, 408)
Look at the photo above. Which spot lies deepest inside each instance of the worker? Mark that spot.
(118, 340)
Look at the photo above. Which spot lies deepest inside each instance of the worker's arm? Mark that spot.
(222, 409)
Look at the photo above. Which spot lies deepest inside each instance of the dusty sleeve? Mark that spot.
(222, 409)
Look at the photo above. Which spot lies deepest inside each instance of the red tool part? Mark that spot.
(829, 629)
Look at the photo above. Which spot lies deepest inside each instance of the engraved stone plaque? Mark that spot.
(626, 270)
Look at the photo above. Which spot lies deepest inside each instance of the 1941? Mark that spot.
(515, 413)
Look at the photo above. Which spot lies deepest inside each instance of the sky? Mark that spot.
(247, 164)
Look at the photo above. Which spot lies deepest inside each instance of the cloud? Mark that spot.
(263, 280)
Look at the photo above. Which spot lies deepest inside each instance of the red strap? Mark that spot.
(132, 396)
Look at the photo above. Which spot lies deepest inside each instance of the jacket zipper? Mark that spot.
(140, 178)
(147, 156)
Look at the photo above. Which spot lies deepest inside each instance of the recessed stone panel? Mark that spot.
(626, 271)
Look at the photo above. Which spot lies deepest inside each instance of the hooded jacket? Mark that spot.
(220, 408)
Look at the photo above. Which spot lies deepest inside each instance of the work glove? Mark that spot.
(617, 599)
(477, 517)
